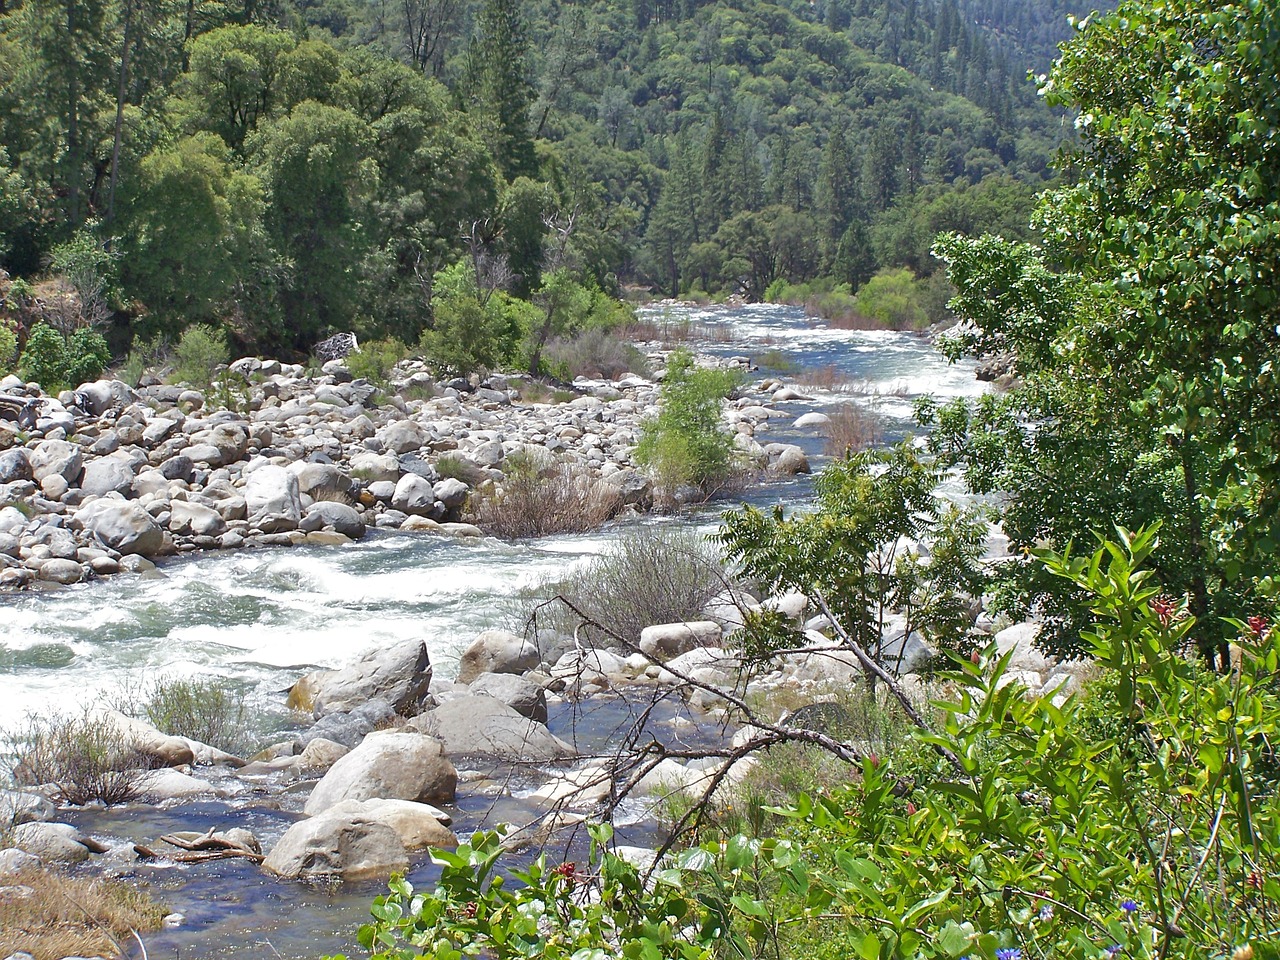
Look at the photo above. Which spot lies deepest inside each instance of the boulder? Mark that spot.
(452, 492)
(497, 651)
(786, 459)
(343, 846)
(417, 824)
(107, 475)
(1021, 639)
(666, 640)
(195, 519)
(160, 748)
(14, 861)
(811, 420)
(15, 466)
(103, 395)
(321, 754)
(123, 525)
(56, 457)
(373, 467)
(400, 674)
(168, 784)
(342, 517)
(414, 495)
(271, 498)
(523, 696)
(62, 571)
(402, 436)
(51, 842)
(18, 807)
(482, 726)
(395, 765)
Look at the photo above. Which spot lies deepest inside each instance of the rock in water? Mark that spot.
(392, 765)
(400, 675)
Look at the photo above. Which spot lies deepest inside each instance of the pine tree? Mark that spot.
(498, 71)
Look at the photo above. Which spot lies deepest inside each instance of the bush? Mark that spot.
(894, 298)
(57, 363)
(538, 501)
(84, 758)
(460, 468)
(647, 575)
(594, 353)
(375, 360)
(688, 444)
(851, 428)
(143, 355)
(197, 355)
(8, 347)
(210, 711)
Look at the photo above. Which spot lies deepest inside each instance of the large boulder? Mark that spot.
(1026, 657)
(51, 842)
(15, 465)
(395, 765)
(102, 395)
(107, 475)
(414, 495)
(497, 651)
(662, 641)
(400, 674)
(482, 726)
(339, 846)
(271, 498)
(342, 517)
(195, 519)
(159, 748)
(123, 525)
(56, 457)
(452, 492)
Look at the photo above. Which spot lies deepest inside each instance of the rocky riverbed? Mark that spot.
(107, 478)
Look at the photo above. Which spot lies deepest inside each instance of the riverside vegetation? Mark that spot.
(1138, 818)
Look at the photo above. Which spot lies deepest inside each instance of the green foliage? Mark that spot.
(471, 329)
(375, 360)
(536, 498)
(855, 551)
(85, 758)
(1150, 835)
(687, 443)
(893, 298)
(197, 355)
(209, 711)
(8, 348)
(56, 362)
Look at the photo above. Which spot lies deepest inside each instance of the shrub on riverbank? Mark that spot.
(687, 444)
(537, 500)
(83, 758)
(211, 711)
(647, 575)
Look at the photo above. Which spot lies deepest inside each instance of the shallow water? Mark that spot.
(261, 618)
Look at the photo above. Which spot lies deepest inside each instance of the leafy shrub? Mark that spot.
(56, 362)
(85, 758)
(197, 355)
(143, 355)
(211, 711)
(688, 444)
(534, 500)
(8, 347)
(375, 360)
(776, 361)
(894, 298)
(647, 575)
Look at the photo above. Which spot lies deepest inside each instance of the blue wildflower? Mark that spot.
(1046, 911)
(1113, 950)
(1009, 953)
(1128, 906)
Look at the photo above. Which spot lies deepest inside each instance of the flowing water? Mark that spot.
(261, 618)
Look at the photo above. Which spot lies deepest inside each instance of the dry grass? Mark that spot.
(84, 758)
(852, 428)
(671, 331)
(534, 502)
(51, 916)
(829, 377)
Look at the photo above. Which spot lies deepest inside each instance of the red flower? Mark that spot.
(1258, 626)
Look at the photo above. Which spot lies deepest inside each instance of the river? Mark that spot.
(262, 618)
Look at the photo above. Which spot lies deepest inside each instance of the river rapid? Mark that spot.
(262, 618)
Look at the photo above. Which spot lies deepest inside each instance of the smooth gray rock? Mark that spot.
(482, 726)
(14, 861)
(51, 842)
(666, 640)
(61, 571)
(107, 475)
(452, 492)
(414, 495)
(523, 696)
(15, 465)
(56, 458)
(338, 846)
(400, 674)
(103, 395)
(271, 498)
(342, 517)
(195, 519)
(497, 651)
(397, 765)
(123, 525)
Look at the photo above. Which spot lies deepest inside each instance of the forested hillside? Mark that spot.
(290, 169)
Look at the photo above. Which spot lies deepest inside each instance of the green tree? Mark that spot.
(320, 178)
(1162, 294)
(499, 81)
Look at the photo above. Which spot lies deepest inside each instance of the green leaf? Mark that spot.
(869, 947)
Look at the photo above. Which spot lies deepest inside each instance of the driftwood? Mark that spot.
(199, 848)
